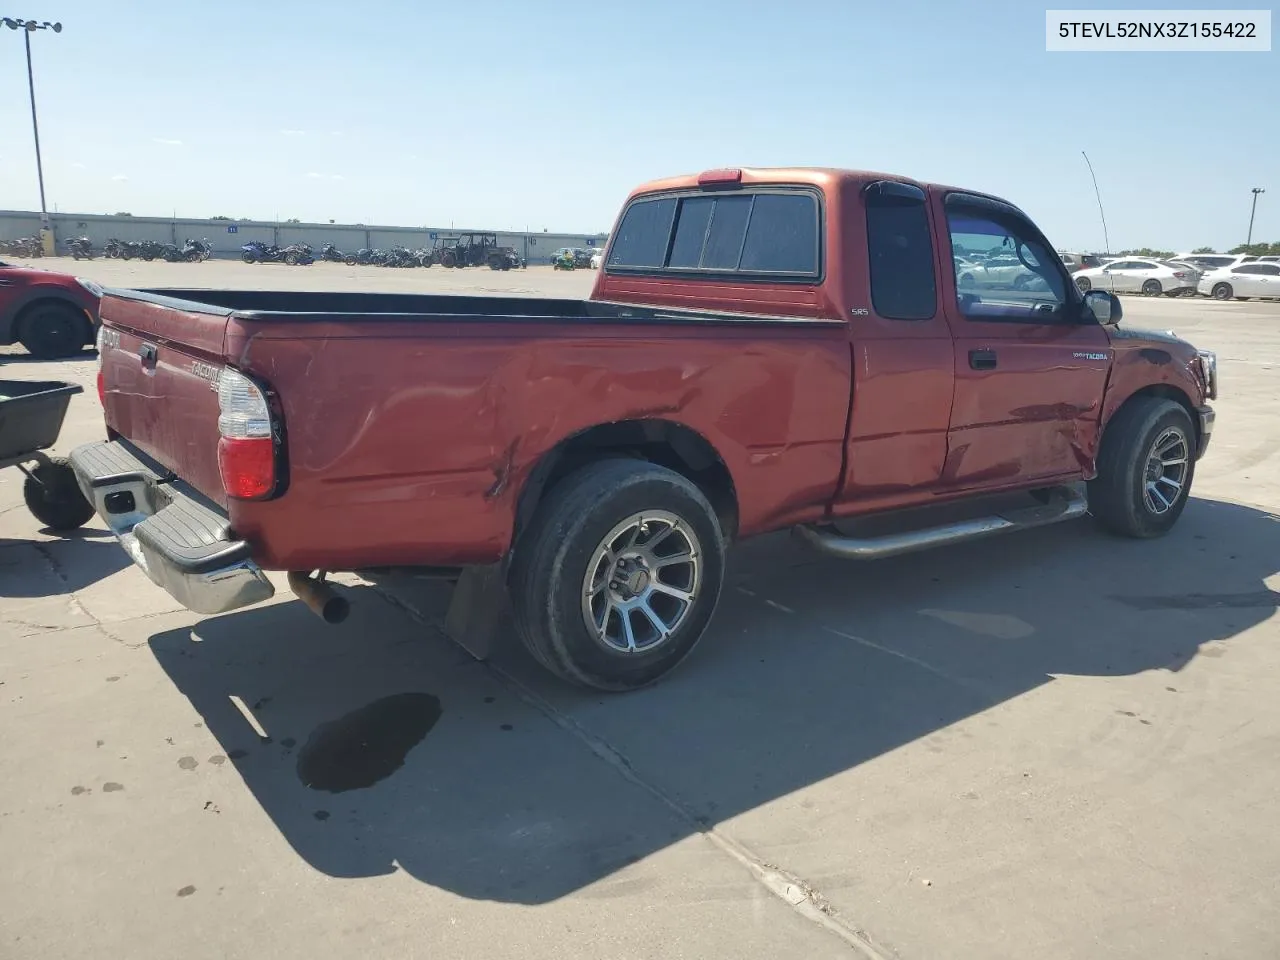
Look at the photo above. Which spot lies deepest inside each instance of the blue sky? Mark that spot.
(509, 114)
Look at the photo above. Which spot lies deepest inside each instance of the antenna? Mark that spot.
(1105, 237)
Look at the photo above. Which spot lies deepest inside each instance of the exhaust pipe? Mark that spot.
(322, 599)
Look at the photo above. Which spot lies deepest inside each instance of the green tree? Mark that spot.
(1204, 250)
(1258, 249)
(1147, 252)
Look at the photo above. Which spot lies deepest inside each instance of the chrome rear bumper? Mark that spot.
(182, 543)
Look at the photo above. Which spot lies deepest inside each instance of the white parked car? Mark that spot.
(1242, 282)
(1132, 275)
(1005, 272)
(597, 256)
(1204, 262)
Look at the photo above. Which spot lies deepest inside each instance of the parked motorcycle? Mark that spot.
(364, 257)
(112, 249)
(298, 254)
(148, 250)
(79, 247)
(399, 257)
(23, 247)
(255, 251)
(332, 254)
(294, 254)
(197, 251)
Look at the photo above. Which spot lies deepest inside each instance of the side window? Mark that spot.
(1242, 270)
(1270, 270)
(900, 253)
(1028, 287)
(643, 234)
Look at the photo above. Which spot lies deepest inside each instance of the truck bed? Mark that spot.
(411, 422)
(312, 306)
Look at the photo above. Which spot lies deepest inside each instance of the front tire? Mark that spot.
(53, 331)
(53, 496)
(1152, 288)
(1083, 284)
(1145, 468)
(1222, 291)
(248, 257)
(618, 574)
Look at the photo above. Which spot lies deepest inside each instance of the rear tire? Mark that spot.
(1083, 284)
(53, 496)
(53, 331)
(559, 557)
(1145, 468)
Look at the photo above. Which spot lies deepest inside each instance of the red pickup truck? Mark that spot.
(763, 349)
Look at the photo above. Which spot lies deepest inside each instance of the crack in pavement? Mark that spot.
(801, 896)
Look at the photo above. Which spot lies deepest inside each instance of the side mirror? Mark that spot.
(1104, 306)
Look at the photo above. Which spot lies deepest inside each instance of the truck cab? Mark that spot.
(954, 388)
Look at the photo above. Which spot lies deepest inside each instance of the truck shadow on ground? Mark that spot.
(46, 568)
(812, 667)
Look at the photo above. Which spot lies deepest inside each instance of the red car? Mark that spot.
(53, 315)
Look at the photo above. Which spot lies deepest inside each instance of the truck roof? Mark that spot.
(822, 177)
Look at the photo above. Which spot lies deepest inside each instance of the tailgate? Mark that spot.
(160, 365)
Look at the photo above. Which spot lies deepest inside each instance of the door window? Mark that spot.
(900, 252)
(1030, 283)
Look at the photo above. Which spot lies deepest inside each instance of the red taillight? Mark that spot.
(1180, 276)
(247, 444)
(724, 175)
(248, 466)
(102, 389)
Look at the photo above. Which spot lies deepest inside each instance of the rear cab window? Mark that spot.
(766, 233)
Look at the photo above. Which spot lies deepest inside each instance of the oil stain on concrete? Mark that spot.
(368, 744)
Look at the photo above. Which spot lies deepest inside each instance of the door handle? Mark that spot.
(982, 359)
(148, 353)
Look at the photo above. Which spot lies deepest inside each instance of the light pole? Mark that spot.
(28, 27)
(1252, 211)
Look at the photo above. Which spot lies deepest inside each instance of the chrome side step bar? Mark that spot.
(1065, 503)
